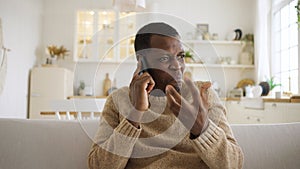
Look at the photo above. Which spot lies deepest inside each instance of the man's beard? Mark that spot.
(166, 79)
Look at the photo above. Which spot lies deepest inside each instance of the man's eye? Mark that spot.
(180, 57)
(164, 59)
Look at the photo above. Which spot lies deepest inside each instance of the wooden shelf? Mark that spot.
(215, 42)
(197, 65)
(191, 65)
(90, 60)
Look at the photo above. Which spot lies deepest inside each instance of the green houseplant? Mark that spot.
(272, 83)
(189, 57)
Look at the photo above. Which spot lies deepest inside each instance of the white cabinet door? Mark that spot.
(274, 112)
(253, 116)
(234, 112)
(238, 114)
(292, 112)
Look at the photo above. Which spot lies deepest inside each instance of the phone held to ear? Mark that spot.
(144, 65)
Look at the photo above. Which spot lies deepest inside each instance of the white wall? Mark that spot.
(222, 17)
(21, 21)
(31, 25)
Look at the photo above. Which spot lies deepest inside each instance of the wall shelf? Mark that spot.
(214, 42)
(88, 60)
(191, 65)
(197, 65)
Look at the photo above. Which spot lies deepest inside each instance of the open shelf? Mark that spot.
(219, 66)
(216, 42)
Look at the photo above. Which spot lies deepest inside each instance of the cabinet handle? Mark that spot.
(258, 120)
(274, 105)
(248, 118)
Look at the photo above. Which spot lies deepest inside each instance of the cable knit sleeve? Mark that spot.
(217, 146)
(114, 141)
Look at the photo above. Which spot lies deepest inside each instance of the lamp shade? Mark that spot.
(129, 5)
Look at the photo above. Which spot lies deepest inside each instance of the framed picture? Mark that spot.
(203, 28)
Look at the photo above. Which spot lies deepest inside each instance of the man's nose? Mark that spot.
(174, 64)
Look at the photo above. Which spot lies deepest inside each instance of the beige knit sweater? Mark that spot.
(162, 141)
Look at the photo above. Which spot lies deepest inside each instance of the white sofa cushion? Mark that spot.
(48, 144)
(269, 146)
(45, 144)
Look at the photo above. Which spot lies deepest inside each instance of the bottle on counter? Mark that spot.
(106, 84)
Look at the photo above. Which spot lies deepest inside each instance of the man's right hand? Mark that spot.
(140, 87)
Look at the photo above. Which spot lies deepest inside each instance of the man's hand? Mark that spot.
(193, 115)
(140, 87)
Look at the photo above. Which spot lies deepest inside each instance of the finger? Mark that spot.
(150, 82)
(137, 71)
(194, 90)
(204, 89)
(204, 94)
(171, 91)
(146, 81)
(139, 67)
(206, 85)
(172, 103)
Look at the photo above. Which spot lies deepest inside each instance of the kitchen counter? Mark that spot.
(86, 97)
(268, 99)
(265, 99)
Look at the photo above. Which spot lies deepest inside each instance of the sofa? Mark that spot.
(58, 144)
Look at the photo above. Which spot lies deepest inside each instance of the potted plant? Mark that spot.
(56, 52)
(272, 85)
(189, 57)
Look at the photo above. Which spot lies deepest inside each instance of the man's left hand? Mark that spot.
(193, 115)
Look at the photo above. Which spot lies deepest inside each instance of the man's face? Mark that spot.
(165, 61)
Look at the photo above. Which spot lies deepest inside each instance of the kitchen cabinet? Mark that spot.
(238, 114)
(292, 112)
(273, 112)
(104, 35)
(48, 84)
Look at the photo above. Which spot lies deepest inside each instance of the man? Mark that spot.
(161, 120)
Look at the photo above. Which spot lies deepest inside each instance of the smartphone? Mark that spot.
(144, 65)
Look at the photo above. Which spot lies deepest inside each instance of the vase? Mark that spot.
(53, 60)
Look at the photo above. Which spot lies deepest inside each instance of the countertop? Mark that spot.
(268, 99)
(86, 97)
(265, 99)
